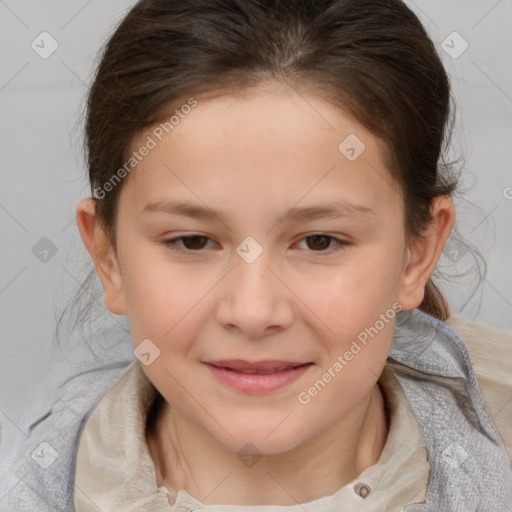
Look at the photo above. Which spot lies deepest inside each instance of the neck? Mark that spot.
(186, 457)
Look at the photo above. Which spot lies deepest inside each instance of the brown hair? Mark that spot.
(372, 59)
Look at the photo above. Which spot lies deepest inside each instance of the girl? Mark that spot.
(269, 201)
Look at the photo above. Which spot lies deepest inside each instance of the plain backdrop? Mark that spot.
(43, 176)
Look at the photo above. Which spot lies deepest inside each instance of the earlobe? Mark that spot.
(102, 253)
(424, 252)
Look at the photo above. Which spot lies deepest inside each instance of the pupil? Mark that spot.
(317, 239)
(194, 238)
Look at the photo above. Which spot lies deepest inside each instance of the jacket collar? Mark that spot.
(470, 468)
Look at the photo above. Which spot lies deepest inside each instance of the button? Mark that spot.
(362, 490)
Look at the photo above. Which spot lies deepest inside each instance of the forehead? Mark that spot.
(271, 140)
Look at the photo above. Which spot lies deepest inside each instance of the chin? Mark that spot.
(259, 442)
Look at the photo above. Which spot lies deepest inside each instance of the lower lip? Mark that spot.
(258, 383)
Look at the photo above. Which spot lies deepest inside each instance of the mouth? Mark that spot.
(259, 367)
(259, 376)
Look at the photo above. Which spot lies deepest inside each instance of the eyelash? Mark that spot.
(341, 244)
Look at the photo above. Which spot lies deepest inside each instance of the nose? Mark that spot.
(255, 301)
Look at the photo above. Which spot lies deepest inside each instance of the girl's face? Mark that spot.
(293, 252)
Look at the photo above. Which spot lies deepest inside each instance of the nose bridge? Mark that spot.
(254, 299)
(251, 272)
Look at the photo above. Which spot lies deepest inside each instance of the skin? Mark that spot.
(255, 154)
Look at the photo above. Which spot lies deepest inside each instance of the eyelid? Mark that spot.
(341, 244)
(171, 243)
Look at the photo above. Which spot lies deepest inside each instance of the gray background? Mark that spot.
(43, 174)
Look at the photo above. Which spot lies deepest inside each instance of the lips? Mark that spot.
(257, 377)
(258, 367)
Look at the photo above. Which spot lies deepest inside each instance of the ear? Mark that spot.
(103, 254)
(423, 253)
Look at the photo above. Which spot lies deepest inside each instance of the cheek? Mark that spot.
(159, 296)
(354, 356)
(356, 296)
(357, 306)
(345, 380)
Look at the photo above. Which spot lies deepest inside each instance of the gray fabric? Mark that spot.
(470, 467)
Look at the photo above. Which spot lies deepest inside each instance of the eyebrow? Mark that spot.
(333, 210)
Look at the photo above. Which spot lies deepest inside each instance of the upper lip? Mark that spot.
(241, 365)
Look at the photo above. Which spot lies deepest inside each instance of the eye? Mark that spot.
(316, 242)
(192, 243)
(319, 242)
